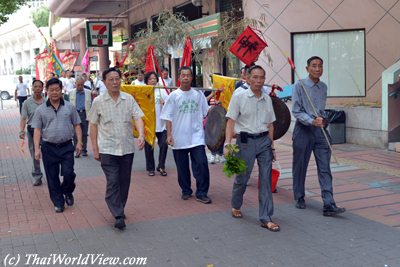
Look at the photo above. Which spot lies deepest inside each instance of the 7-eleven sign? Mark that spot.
(98, 33)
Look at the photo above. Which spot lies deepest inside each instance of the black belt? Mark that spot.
(257, 135)
(82, 110)
(249, 135)
(58, 144)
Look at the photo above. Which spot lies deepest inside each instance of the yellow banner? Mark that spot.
(227, 84)
(144, 96)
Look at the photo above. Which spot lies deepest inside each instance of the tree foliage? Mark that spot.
(40, 17)
(8, 7)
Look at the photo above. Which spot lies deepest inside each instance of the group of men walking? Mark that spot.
(112, 116)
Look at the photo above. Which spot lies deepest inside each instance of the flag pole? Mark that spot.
(291, 63)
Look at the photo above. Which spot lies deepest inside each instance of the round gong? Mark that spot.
(282, 114)
(215, 128)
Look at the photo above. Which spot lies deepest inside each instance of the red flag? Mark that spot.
(152, 64)
(291, 63)
(150, 59)
(187, 53)
(248, 46)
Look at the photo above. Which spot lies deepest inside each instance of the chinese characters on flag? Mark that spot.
(248, 46)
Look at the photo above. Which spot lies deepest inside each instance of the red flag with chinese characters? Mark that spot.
(248, 46)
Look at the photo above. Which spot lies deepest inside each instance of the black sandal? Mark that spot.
(162, 172)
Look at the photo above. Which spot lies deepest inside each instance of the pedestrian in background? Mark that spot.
(55, 123)
(160, 96)
(81, 98)
(27, 112)
(21, 92)
(111, 133)
(308, 137)
(184, 112)
(165, 75)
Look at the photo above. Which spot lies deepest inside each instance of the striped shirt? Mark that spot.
(57, 125)
(114, 121)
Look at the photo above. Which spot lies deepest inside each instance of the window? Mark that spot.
(343, 53)
(135, 28)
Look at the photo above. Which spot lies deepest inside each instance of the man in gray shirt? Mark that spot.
(28, 109)
(55, 122)
(308, 137)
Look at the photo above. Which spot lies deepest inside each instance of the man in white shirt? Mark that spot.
(250, 117)
(69, 83)
(165, 76)
(100, 86)
(21, 92)
(183, 112)
(139, 79)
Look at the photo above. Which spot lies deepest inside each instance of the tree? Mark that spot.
(8, 7)
(40, 17)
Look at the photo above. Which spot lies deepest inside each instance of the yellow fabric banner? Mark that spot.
(144, 96)
(227, 84)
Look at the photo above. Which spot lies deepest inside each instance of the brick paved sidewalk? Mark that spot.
(172, 232)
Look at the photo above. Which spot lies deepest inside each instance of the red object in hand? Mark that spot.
(248, 46)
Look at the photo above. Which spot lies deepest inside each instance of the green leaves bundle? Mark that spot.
(233, 165)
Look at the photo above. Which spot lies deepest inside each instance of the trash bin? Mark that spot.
(337, 125)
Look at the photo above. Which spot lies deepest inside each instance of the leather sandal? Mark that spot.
(273, 227)
(237, 214)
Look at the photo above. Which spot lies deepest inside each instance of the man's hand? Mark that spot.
(78, 149)
(140, 142)
(96, 154)
(37, 153)
(318, 122)
(22, 135)
(170, 140)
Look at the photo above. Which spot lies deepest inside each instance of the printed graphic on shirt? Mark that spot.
(189, 106)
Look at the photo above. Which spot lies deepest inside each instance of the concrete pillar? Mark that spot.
(82, 44)
(104, 60)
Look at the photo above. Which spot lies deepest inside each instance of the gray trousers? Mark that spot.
(260, 149)
(85, 127)
(118, 171)
(307, 139)
(36, 171)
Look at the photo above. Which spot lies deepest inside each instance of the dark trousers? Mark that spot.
(118, 171)
(149, 152)
(307, 139)
(199, 169)
(55, 156)
(85, 127)
(260, 149)
(21, 100)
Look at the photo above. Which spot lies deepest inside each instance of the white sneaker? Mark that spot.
(221, 159)
(211, 159)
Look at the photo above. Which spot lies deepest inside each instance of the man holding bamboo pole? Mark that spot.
(310, 135)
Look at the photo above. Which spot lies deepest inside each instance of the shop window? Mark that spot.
(137, 27)
(189, 11)
(343, 53)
